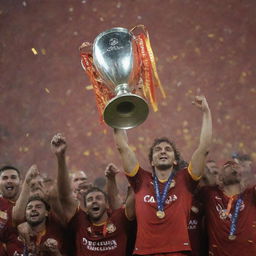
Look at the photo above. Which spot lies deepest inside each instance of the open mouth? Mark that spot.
(95, 209)
(163, 158)
(9, 188)
(34, 214)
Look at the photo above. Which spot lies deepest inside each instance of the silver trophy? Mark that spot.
(116, 59)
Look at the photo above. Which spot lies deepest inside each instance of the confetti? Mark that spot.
(211, 35)
(89, 87)
(197, 51)
(86, 153)
(34, 51)
(43, 51)
(47, 90)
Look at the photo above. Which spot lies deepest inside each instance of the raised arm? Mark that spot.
(68, 203)
(199, 156)
(18, 211)
(130, 204)
(115, 201)
(129, 159)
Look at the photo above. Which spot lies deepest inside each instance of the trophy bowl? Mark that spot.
(116, 59)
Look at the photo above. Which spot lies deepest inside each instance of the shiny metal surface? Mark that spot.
(116, 59)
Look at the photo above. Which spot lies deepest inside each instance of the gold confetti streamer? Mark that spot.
(34, 51)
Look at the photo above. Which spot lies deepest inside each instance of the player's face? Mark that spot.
(37, 187)
(10, 184)
(231, 174)
(35, 212)
(163, 156)
(78, 178)
(96, 205)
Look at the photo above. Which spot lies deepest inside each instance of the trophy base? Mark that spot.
(126, 111)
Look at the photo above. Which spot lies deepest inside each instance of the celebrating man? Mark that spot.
(163, 197)
(97, 230)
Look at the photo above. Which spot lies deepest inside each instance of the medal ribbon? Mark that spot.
(160, 199)
(235, 216)
(25, 250)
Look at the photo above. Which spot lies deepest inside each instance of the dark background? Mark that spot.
(201, 47)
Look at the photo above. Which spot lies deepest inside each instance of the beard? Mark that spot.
(35, 223)
(94, 218)
(231, 181)
(164, 167)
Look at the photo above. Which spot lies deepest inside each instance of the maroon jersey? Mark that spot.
(153, 233)
(5, 223)
(15, 246)
(5, 216)
(196, 229)
(218, 222)
(108, 239)
(2, 249)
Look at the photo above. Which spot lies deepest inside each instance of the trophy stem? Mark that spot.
(122, 89)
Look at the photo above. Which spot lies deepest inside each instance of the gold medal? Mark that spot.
(231, 237)
(160, 214)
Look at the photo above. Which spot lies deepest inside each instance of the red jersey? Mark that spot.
(5, 222)
(2, 249)
(154, 234)
(196, 229)
(218, 223)
(5, 216)
(108, 239)
(53, 230)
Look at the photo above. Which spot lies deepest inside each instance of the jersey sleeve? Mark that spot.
(136, 177)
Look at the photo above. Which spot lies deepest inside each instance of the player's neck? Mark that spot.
(100, 221)
(232, 189)
(163, 174)
(38, 228)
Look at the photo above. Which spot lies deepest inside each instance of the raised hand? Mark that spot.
(51, 245)
(31, 174)
(58, 144)
(25, 232)
(201, 103)
(111, 171)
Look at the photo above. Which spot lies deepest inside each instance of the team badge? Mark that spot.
(111, 228)
(223, 214)
(89, 229)
(3, 215)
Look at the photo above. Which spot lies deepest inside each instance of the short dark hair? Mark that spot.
(9, 167)
(95, 189)
(38, 198)
(157, 141)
